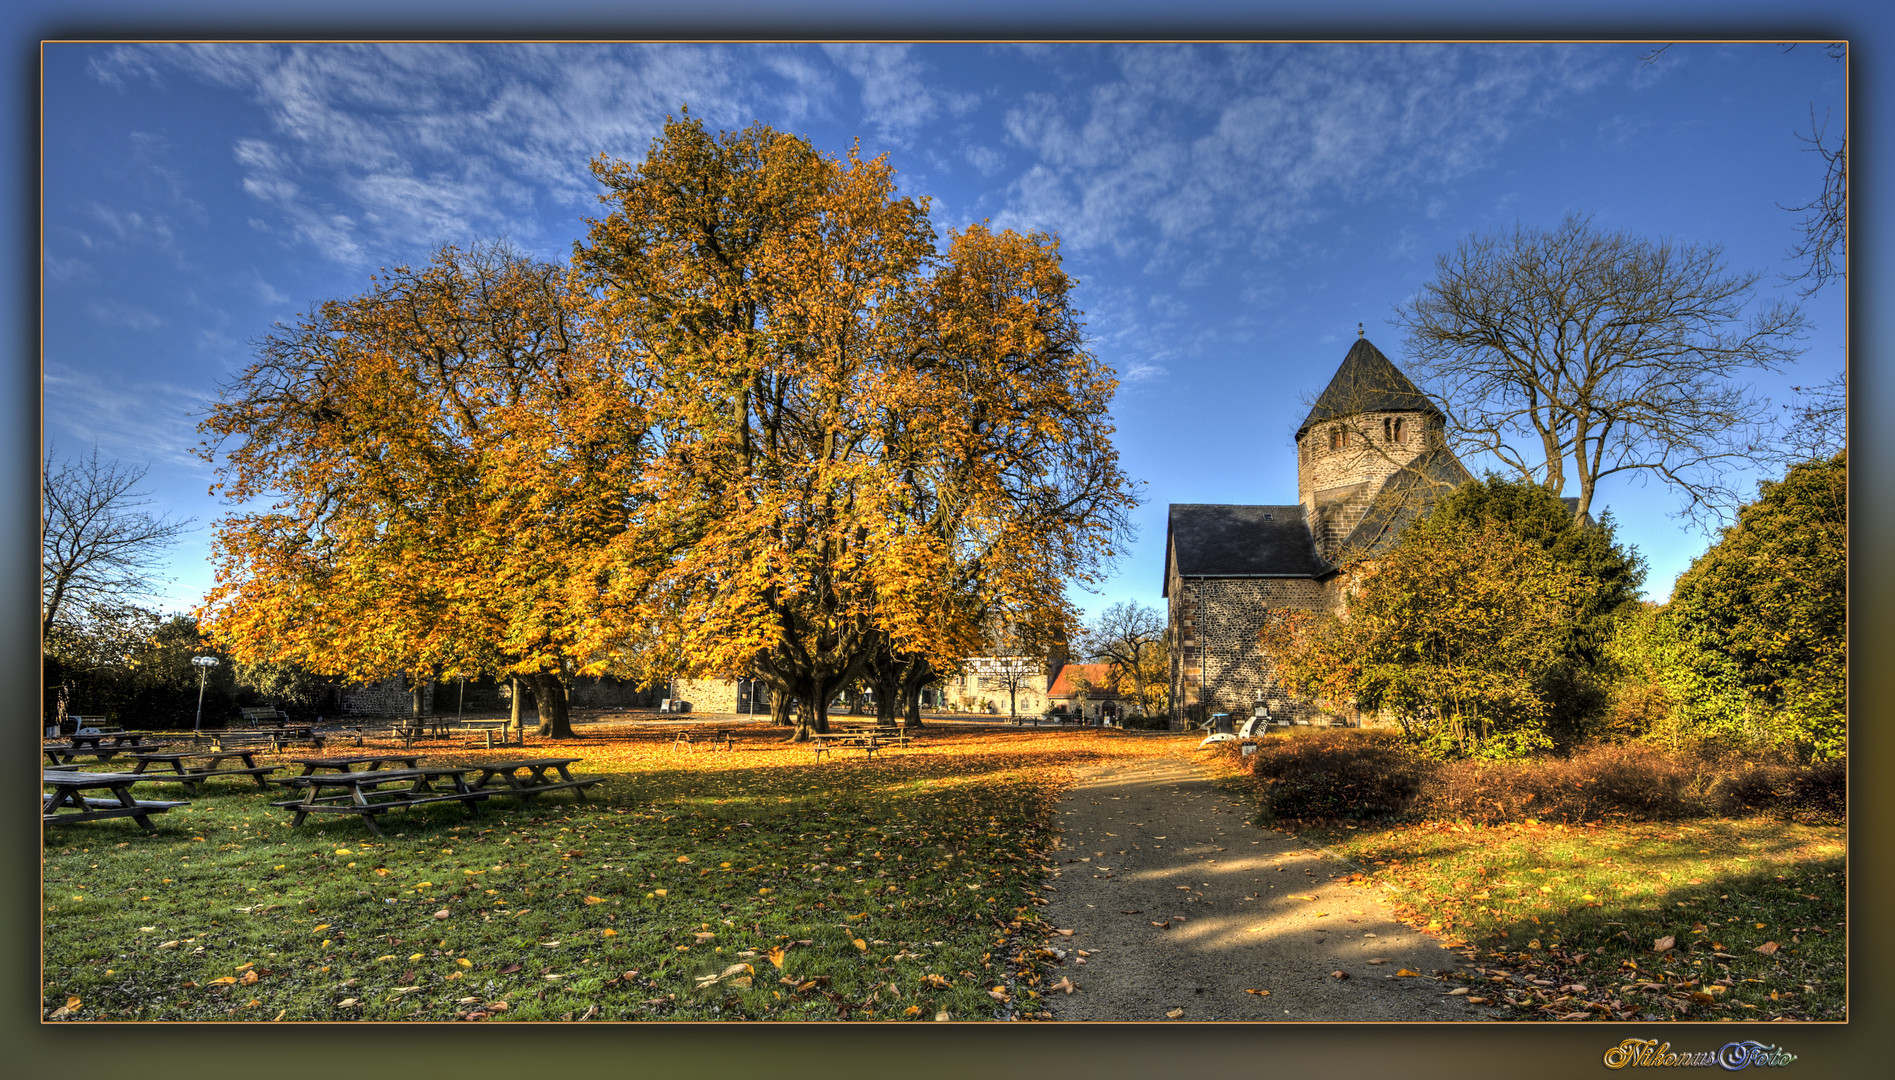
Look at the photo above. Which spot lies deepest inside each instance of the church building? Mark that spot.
(1371, 456)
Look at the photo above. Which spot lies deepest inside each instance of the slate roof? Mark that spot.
(1367, 381)
(1218, 540)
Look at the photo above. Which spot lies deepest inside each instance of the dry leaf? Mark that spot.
(1338, 974)
(1664, 943)
(1065, 984)
(595, 899)
(860, 944)
(1064, 933)
(1768, 948)
(1259, 993)
(249, 978)
(1173, 1014)
(1381, 960)
(776, 957)
(702, 938)
(71, 1006)
(1405, 971)
(1459, 991)
(936, 981)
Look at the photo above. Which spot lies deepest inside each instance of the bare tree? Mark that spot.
(1130, 637)
(1815, 427)
(98, 548)
(1824, 248)
(1599, 353)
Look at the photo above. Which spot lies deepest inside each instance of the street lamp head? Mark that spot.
(204, 661)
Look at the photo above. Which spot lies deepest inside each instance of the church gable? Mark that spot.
(1370, 460)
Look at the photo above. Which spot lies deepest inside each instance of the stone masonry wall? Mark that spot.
(1216, 622)
(390, 697)
(1336, 486)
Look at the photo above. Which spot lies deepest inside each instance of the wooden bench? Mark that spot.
(194, 775)
(370, 793)
(264, 716)
(65, 805)
(527, 778)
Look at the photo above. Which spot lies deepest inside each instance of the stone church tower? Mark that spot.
(1370, 457)
(1370, 424)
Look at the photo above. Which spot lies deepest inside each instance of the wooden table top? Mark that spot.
(378, 776)
(91, 779)
(358, 759)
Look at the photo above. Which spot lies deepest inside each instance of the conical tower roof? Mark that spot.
(1367, 381)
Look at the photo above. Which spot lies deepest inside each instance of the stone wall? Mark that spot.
(1336, 485)
(390, 697)
(1218, 658)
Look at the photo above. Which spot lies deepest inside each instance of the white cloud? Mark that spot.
(374, 147)
(136, 420)
(897, 97)
(1237, 145)
(113, 313)
(1139, 373)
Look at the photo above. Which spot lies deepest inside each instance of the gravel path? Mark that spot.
(1181, 904)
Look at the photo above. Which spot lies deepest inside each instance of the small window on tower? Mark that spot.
(1392, 428)
(1335, 438)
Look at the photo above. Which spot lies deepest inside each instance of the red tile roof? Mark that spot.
(1099, 675)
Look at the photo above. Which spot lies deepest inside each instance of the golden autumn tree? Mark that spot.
(423, 453)
(861, 448)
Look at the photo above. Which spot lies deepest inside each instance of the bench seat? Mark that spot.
(99, 809)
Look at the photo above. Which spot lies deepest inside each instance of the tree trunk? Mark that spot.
(915, 676)
(519, 692)
(780, 706)
(417, 690)
(549, 694)
(813, 717)
(888, 697)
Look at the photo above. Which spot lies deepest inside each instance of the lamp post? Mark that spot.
(204, 664)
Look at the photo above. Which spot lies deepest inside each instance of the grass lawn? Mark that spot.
(750, 884)
(1710, 919)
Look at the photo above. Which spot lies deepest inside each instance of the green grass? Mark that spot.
(1563, 920)
(872, 876)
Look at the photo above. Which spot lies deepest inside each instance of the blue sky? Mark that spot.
(1232, 211)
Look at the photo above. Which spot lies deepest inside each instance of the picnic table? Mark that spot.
(102, 744)
(206, 766)
(489, 725)
(370, 762)
(275, 736)
(410, 728)
(527, 778)
(715, 736)
(866, 741)
(67, 805)
(371, 792)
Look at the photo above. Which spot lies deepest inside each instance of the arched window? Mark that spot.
(1392, 430)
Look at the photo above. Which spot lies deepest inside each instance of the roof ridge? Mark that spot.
(1367, 381)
